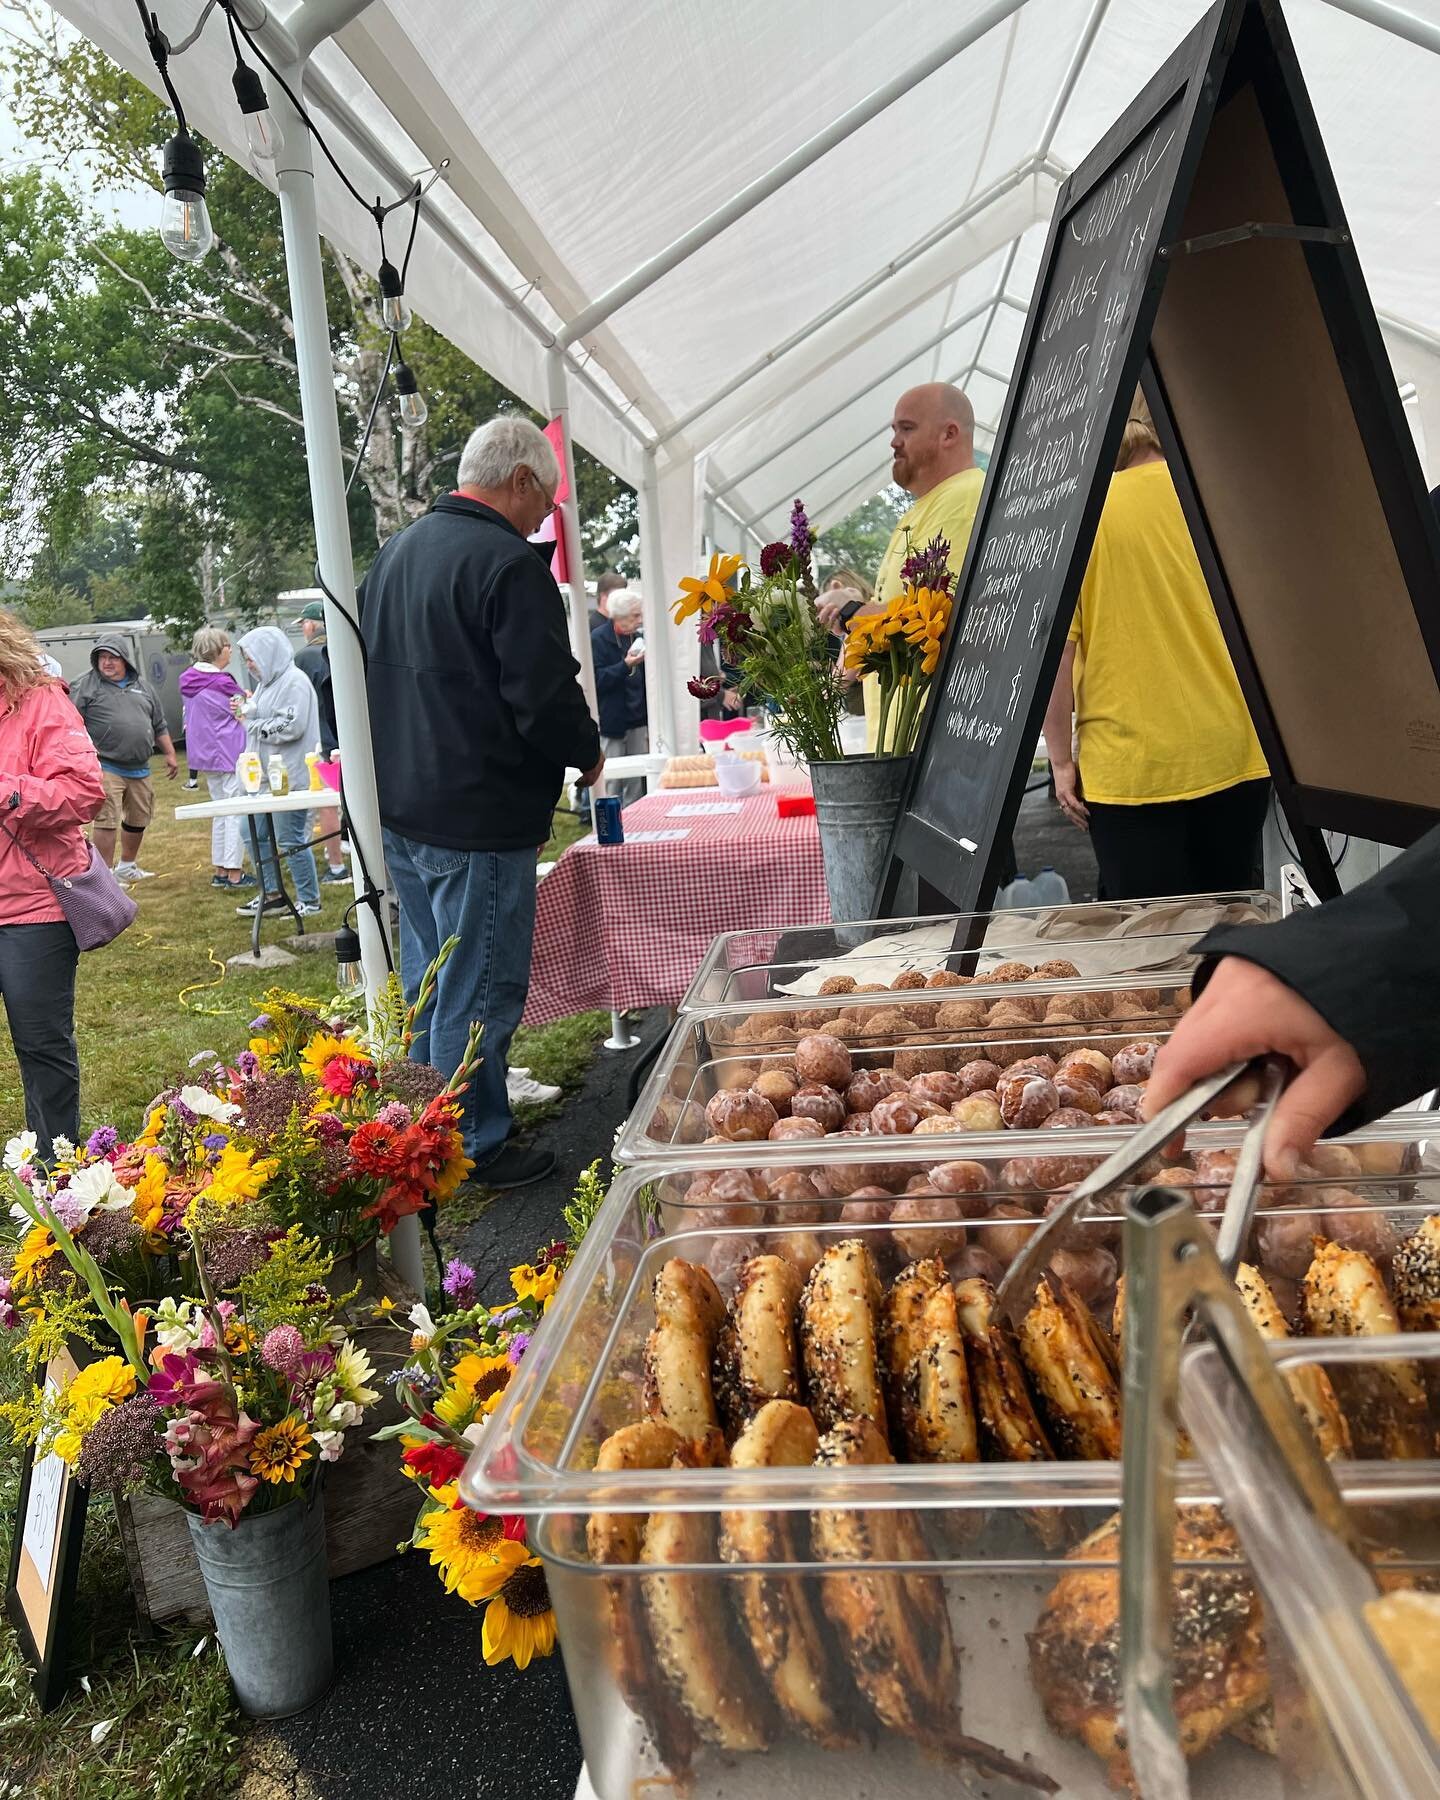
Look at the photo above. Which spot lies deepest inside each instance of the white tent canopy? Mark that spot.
(586, 139)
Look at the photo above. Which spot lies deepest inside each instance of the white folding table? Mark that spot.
(252, 808)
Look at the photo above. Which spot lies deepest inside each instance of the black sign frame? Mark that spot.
(964, 873)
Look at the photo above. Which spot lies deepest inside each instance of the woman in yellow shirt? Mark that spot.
(1172, 784)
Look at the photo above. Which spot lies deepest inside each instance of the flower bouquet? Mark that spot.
(455, 1373)
(901, 645)
(768, 637)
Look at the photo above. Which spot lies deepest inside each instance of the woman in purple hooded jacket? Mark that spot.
(214, 743)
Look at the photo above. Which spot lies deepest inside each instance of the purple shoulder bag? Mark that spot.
(93, 901)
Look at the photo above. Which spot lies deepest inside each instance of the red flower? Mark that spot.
(342, 1075)
(775, 557)
(435, 1464)
(704, 687)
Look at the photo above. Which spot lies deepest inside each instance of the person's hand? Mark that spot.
(237, 705)
(1245, 1012)
(827, 608)
(591, 776)
(732, 700)
(172, 766)
(1067, 792)
(632, 657)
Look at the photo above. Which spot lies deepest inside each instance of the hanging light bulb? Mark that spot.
(261, 131)
(393, 309)
(413, 410)
(348, 973)
(185, 228)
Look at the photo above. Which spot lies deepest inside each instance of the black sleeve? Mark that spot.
(608, 663)
(537, 673)
(1369, 963)
(325, 699)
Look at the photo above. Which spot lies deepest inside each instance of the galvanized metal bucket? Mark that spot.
(269, 1590)
(856, 805)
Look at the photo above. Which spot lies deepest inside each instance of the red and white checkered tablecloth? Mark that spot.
(622, 925)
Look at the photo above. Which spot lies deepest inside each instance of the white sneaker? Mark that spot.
(517, 1069)
(129, 871)
(520, 1085)
(307, 909)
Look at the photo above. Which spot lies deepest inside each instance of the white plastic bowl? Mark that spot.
(737, 778)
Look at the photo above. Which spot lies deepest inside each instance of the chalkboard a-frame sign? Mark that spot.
(1202, 246)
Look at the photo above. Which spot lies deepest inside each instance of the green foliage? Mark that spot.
(275, 1292)
(859, 541)
(584, 1203)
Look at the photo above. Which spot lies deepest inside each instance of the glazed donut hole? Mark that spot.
(1092, 1064)
(798, 1125)
(938, 1231)
(1052, 1172)
(936, 1126)
(818, 1105)
(870, 1206)
(1100, 1232)
(1021, 1175)
(741, 1188)
(1134, 1063)
(843, 1181)
(1026, 1100)
(1077, 1096)
(1125, 1098)
(919, 1184)
(823, 1059)
(1006, 1231)
(960, 1177)
(1033, 1065)
(1358, 1226)
(778, 1086)
(866, 1086)
(795, 1191)
(978, 1112)
(856, 1125)
(899, 1114)
(942, 1086)
(740, 1115)
(979, 1077)
(1283, 1241)
(1216, 1165)
(976, 1263)
(1113, 1118)
(677, 1121)
(1070, 1118)
(1336, 1162)
(1091, 1273)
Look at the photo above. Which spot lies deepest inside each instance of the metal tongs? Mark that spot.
(1062, 1228)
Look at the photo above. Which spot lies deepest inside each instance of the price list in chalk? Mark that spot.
(1017, 572)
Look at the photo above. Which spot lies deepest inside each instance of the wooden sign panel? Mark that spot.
(1241, 359)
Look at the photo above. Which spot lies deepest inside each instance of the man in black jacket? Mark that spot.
(1349, 991)
(475, 712)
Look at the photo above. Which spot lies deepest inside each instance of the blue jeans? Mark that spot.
(292, 832)
(486, 898)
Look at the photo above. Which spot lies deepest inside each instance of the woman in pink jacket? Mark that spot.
(50, 788)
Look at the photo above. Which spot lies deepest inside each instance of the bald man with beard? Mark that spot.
(932, 440)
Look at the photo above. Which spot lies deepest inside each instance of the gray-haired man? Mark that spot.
(476, 712)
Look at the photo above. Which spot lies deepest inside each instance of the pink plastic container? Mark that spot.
(715, 731)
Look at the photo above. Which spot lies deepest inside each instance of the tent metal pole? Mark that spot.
(1072, 75)
(659, 677)
(1393, 19)
(786, 170)
(295, 172)
(955, 325)
(971, 210)
(1414, 334)
(558, 399)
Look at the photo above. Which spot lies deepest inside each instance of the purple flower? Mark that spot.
(9, 1317)
(121, 1446)
(247, 1065)
(71, 1214)
(802, 538)
(330, 1128)
(509, 1316)
(929, 567)
(395, 1114)
(179, 1110)
(459, 1284)
(260, 1022)
(282, 1348)
(704, 687)
(102, 1140)
(519, 1344)
(217, 1140)
(776, 558)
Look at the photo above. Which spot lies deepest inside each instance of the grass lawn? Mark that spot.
(161, 993)
(156, 1716)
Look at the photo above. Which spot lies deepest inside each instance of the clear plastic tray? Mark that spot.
(843, 1549)
(1103, 938)
(710, 1051)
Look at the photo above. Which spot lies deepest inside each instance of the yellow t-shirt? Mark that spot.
(947, 511)
(1159, 712)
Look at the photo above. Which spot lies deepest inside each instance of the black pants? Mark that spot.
(1201, 846)
(37, 981)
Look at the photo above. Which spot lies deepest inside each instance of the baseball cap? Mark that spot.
(312, 609)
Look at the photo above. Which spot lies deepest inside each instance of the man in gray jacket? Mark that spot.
(126, 722)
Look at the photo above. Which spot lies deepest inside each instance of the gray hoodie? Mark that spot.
(281, 715)
(123, 718)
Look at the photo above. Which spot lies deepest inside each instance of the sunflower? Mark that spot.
(699, 593)
(531, 1283)
(37, 1248)
(323, 1048)
(519, 1621)
(279, 1450)
(470, 1549)
(475, 1389)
